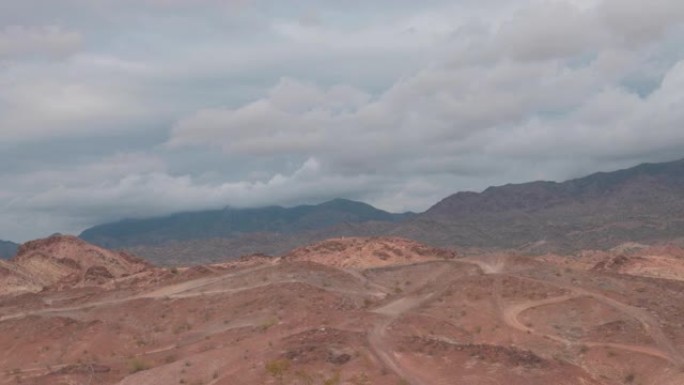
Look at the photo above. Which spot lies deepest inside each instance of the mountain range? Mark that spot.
(603, 210)
(7, 249)
(231, 222)
(641, 204)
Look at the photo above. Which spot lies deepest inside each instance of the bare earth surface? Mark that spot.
(346, 311)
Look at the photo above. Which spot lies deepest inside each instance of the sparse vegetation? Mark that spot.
(269, 324)
(137, 365)
(184, 327)
(277, 369)
(360, 379)
(335, 379)
(304, 377)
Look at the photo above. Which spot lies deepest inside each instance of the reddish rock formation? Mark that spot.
(64, 261)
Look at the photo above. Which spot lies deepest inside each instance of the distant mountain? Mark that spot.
(7, 249)
(603, 210)
(642, 204)
(231, 223)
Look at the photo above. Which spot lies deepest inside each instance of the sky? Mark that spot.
(114, 109)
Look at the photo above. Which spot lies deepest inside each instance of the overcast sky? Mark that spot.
(134, 108)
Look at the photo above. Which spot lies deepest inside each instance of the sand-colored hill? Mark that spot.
(13, 279)
(364, 253)
(64, 261)
(663, 262)
(648, 265)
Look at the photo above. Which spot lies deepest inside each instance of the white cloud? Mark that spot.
(19, 41)
(43, 108)
(551, 30)
(292, 119)
(637, 22)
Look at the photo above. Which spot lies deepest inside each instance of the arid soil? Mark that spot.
(384, 311)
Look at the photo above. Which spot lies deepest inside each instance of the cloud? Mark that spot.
(556, 64)
(635, 22)
(541, 109)
(545, 85)
(44, 108)
(19, 41)
(146, 108)
(292, 119)
(550, 30)
(136, 185)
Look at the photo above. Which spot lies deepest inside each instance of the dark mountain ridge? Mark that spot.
(643, 204)
(232, 222)
(539, 195)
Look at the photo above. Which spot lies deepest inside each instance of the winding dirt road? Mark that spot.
(377, 341)
(391, 312)
(666, 349)
(192, 288)
(511, 314)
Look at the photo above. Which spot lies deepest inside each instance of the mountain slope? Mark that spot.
(7, 249)
(641, 204)
(232, 222)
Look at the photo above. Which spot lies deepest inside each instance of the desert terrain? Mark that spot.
(343, 311)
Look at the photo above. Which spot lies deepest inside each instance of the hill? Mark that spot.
(64, 261)
(364, 253)
(231, 222)
(7, 249)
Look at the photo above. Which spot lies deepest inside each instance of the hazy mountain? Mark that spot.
(7, 249)
(642, 204)
(231, 223)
